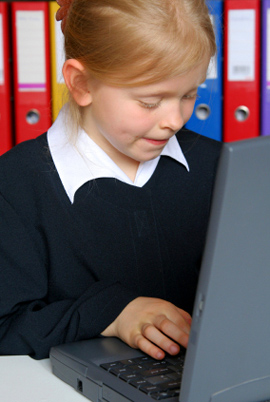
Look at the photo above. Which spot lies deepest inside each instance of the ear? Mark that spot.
(77, 82)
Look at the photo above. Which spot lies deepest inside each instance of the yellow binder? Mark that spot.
(59, 91)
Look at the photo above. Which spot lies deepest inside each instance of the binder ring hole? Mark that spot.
(242, 113)
(33, 116)
(202, 111)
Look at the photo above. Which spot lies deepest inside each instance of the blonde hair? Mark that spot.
(138, 42)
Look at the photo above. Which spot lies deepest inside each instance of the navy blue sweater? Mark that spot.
(68, 270)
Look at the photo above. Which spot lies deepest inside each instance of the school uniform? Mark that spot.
(79, 240)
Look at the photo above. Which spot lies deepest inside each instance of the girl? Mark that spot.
(103, 218)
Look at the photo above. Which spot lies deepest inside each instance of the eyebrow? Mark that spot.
(154, 95)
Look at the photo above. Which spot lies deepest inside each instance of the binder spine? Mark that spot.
(31, 55)
(241, 69)
(57, 60)
(6, 140)
(208, 114)
(265, 88)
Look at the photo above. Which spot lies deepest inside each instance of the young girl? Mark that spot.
(103, 218)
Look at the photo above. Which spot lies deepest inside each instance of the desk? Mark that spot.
(23, 379)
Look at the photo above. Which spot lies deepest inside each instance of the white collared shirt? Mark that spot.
(84, 161)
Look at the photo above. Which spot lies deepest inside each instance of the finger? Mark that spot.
(185, 315)
(140, 342)
(175, 317)
(154, 335)
(180, 317)
(178, 332)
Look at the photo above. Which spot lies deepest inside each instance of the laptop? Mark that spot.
(228, 355)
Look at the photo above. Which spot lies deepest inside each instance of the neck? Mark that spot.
(127, 165)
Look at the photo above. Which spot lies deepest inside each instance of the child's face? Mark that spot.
(133, 125)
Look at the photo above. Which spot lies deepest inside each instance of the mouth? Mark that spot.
(156, 142)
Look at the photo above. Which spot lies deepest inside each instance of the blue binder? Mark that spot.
(265, 81)
(207, 115)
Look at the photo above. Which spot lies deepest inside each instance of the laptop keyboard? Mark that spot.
(161, 379)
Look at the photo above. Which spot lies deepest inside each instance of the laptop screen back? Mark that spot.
(228, 357)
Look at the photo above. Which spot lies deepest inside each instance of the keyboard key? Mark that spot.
(175, 359)
(109, 366)
(174, 376)
(139, 382)
(159, 396)
(137, 368)
(170, 385)
(129, 377)
(158, 379)
(156, 371)
(143, 359)
(148, 389)
(177, 367)
(120, 370)
(155, 364)
(128, 362)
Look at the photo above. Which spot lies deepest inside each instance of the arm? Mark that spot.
(30, 323)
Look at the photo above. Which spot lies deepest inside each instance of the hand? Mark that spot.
(152, 325)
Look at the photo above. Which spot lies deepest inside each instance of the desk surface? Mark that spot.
(23, 379)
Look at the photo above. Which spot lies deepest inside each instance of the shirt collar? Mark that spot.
(84, 160)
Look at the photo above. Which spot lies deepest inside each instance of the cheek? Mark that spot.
(105, 117)
(188, 112)
(134, 120)
(118, 119)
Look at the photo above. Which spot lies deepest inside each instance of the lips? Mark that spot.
(156, 142)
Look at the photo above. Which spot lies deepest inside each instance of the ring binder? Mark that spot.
(207, 116)
(31, 54)
(265, 89)
(241, 69)
(6, 141)
(57, 61)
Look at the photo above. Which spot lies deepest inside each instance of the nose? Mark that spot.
(172, 118)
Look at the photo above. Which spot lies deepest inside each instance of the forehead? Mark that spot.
(182, 83)
(174, 86)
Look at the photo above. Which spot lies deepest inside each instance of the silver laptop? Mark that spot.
(228, 356)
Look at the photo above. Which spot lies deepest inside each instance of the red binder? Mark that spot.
(5, 91)
(31, 56)
(241, 69)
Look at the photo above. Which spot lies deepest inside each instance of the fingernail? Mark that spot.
(159, 355)
(174, 349)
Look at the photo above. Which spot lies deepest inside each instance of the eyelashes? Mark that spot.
(150, 105)
(195, 96)
(157, 104)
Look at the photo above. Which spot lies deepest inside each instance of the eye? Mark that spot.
(150, 105)
(191, 97)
